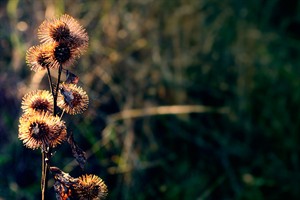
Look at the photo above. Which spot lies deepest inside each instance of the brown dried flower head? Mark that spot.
(72, 99)
(64, 30)
(65, 54)
(91, 187)
(37, 101)
(51, 55)
(42, 56)
(41, 130)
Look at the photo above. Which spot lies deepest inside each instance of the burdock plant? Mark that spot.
(63, 40)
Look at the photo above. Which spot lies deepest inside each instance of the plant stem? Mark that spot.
(43, 179)
(50, 81)
(45, 172)
(46, 153)
(57, 87)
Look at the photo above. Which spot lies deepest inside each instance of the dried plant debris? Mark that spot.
(77, 152)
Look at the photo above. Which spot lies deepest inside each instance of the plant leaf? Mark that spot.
(71, 78)
(77, 152)
(64, 184)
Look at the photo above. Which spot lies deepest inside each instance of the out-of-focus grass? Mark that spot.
(236, 59)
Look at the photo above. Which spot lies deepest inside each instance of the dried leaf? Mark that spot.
(68, 96)
(71, 78)
(77, 152)
(61, 191)
(64, 184)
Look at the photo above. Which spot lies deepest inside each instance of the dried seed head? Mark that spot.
(40, 57)
(91, 187)
(86, 187)
(64, 30)
(41, 129)
(73, 99)
(51, 55)
(60, 31)
(65, 54)
(37, 101)
(62, 53)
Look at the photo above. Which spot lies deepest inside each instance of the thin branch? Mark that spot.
(56, 89)
(46, 153)
(43, 178)
(165, 110)
(50, 83)
(62, 114)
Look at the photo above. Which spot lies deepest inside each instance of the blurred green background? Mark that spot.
(189, 99)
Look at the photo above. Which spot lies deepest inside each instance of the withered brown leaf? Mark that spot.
(64, 184)
(77, 152)
(71, 78)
